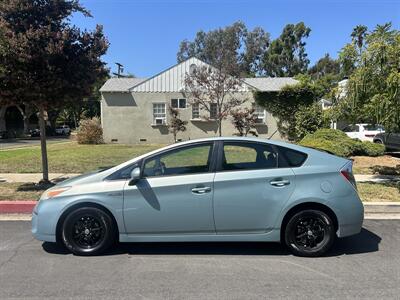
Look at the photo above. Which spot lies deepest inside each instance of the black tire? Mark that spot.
(88, 231)
(310, 233)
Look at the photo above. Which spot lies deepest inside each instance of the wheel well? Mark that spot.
(79, 205)
(304, 206)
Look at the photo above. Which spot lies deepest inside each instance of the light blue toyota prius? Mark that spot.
(217, 189)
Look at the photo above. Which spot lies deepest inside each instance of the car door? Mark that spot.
(393, 141)
(174, 195)
(250, 187)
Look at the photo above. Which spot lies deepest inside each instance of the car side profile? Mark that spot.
(363, 132)
(216, 189)
(391, 140)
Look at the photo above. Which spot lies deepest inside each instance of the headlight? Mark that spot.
(51, 193)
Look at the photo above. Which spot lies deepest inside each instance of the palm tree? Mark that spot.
(358, 36)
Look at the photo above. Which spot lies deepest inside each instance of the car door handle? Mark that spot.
(279, 182)
(201, 190)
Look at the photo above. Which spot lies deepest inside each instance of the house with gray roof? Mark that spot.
(135, 110)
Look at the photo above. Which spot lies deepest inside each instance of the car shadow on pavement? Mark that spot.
(365, 242)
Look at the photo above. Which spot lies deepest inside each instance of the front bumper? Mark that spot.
(44, 221)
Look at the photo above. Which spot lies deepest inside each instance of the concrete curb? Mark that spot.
(17, 207)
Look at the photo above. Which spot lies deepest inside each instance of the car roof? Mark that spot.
(236, 139)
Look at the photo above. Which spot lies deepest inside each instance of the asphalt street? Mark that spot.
(365, 266)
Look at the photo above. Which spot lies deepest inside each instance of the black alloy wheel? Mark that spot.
(88, 231)
(310, 233)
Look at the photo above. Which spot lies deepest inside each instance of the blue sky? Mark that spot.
(145, 34)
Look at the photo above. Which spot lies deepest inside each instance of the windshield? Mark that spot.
(374, 127)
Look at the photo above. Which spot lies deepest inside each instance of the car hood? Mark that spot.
(90, 177)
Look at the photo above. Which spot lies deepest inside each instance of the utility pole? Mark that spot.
(120, 70)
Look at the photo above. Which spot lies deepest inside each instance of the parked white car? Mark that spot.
(363, 132)
(63, 130)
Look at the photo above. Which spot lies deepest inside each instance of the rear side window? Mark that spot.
(294, 158)
(248, 156)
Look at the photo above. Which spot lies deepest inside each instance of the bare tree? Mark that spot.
(245, 121)
(175, 124)
(215, 91)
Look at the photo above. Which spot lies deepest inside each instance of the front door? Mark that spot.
(174, 195)
(250, 188)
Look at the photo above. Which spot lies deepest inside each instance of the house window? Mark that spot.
(195, 111)
(178, 103)
(260, 113)
(159, 115)
(213, 110)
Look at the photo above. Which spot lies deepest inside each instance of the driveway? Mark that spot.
(18, 143)
(364, 266)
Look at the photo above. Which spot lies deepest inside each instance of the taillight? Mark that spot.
(347, 173)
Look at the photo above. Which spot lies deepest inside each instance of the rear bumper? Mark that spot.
(350, 214)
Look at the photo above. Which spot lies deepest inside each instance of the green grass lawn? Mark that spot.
(379, 192)
(69, 157)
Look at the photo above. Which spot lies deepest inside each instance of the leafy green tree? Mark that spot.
(284, 104)
(373, 91)
(234, 48)
(308, 119)
(350, 56)
(324, 66)
(49, 62)
(286, 56)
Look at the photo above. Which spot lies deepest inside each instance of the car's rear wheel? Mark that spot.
(310, 233)
(88, 231)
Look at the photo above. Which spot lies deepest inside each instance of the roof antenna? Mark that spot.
(272, 134)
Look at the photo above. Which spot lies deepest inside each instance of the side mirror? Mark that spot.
(135, 176)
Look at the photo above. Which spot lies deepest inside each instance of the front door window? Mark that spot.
(183, 161)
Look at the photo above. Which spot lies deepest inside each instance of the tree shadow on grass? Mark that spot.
(386, 170)
(365, 242)
(34, 187)
(395, 184)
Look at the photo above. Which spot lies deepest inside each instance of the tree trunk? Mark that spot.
(220, 127)
(42, 125)
(26, 114)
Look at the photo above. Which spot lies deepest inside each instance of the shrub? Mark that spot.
(90, 132)
(372, 149)
(308, 119)
(338, 143)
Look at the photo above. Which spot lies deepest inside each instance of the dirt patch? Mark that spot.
(384, 165)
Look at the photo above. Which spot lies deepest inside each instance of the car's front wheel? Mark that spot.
(309, 233)
(88, 231)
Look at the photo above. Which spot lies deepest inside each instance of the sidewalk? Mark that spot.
(36, 177)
